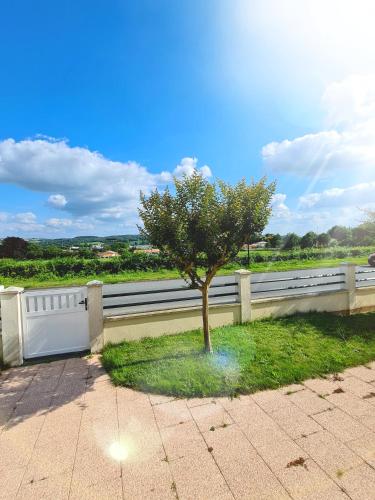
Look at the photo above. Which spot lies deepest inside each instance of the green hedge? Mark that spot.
(73, 266)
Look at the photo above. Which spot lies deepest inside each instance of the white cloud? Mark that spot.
(279, 209)
(82, 182)
(187, 167)
(358, 194)
(25, 218)
(57, 200)
(350, 146)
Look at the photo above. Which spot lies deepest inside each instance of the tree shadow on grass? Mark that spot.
(341, 327)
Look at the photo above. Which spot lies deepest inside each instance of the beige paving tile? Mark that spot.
(321, 386)
(10, 481)
(329, 452)
(363, 373)
(54, 458)
(309, 402)
(302, 481)
(93, 466)
(364, 447)
(197, 476)
(144, 480)
(271, 401)
(295, 422)
(201, 401)
(182, 440)
(289, 389)
(351, 404)
(258, 426)
(232, 403)
(210, 416)
(357, 386)
(280, 453)
(340, 424)
(53, 488)
(105, 490)
(244, 470)
(172, 413)
(359, 482)
(332, 493)
(157, 399)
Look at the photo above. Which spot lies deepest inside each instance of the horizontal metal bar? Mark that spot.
(165, 290)
(164, 301)
(365, 279)
(295, 278)
(298, 287)
(366, 272)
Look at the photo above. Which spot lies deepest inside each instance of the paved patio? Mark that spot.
(66, 432)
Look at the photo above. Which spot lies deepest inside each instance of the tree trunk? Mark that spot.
(206, 328)
(248, 255)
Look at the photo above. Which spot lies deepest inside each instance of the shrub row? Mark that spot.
(73, 266)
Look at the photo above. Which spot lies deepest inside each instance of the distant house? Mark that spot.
(97, 246)
(74, 249)
(253, 246)
(109, 254)
(147, 250)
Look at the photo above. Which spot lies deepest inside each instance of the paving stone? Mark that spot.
(53, 488)
(357, 386)
(290, 389)
(197, 476)
(329, 452)
(210, 415)
(364, 447)
(302, 481)
(157, 399)
(321, 386)
(172, 413)
(359, 482)
(244, 470)
(182, 440)
(232, 403)
(106, 490)
(340, 424)
(351, 404)
(363, 373)
(280, 453)
(271, 401)
(309, 402)
(50, 460)
(147, 479)
(295, 422)
(10, 481)
(258, 426)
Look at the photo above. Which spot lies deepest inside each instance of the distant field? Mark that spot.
(258, 267)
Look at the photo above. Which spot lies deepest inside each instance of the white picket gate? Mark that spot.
(55, 321)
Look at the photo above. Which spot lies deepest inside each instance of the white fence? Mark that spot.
(52, 321)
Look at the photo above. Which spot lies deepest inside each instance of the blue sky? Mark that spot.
(101, 99)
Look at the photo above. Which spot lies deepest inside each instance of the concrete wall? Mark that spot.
(155, 324)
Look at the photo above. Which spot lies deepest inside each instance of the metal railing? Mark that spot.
(159, 297)
(299, 278)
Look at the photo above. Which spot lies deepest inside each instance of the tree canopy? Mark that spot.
(203, 225)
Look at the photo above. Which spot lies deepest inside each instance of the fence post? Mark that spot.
(11, 324)
(243, 279)
(350, 284)
(95, 311)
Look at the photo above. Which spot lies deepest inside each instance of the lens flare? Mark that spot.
(118, 452)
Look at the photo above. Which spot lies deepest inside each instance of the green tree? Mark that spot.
(291, 241)
(203, 226)
(14, 248)
(273, 240)
(309, 240)
(341, 233)
(323, 239)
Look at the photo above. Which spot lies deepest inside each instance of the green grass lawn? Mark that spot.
(167, 274)
(260, 355)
